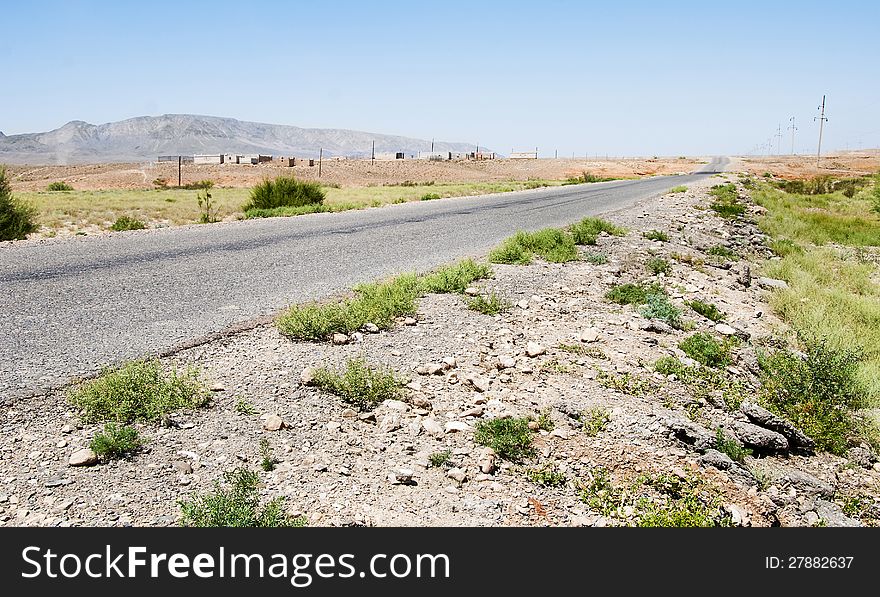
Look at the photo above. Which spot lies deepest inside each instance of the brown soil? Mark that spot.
(851, 163)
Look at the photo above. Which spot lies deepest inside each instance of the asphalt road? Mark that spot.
(71, 306)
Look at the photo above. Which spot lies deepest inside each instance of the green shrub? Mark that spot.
(703, 381)
(707, 310)
(438, 459)
(585, 177)
(377, 303)
(116, 441)
(705, 349)
(17, 218)
(510, 252)
(595, 421)
(726, 203)
(237, 505)
(430, 196)
(243, 407)
(632, 294)
(456, 278)
(488, 305)
(596, 258)
(731, 447)
(268, 461)
(551, 244)
(819, 393)
(587, 230)
(138, 391)
(656, 235)
(509, 437)
(658, 265)
(123, 223)
(547, 476)
(658, 306)
(722, 251)
(59, 186)
(284, 192)
(360, 384)
(678, 189)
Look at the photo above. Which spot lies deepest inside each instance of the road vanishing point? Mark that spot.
(74, 305)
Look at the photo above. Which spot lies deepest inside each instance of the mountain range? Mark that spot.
(147, 137)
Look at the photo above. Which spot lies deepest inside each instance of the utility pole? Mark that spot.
(822, 121)
(792, 128)
(432, 144)
(779, 139)
(320, 160)
(179, 164)
(373, 154)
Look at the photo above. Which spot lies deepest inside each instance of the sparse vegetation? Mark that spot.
(626, 383)
(456, 278)
(544, 421)
(201, 185)
(17, 218)
(360, 384)
(726, 201)
(438, 459)
(658, 306)
(586, 177)
(207, 207)
(707, 310)
(243, 407)
(632, 294)
(723, 252)
(59, 186)
(587, 231)
(678, 189)
(509, 437)
(115, 441)
(702, 382)
(730, 446)
(268, 461)
(595, 421)
(138, 391)
(284, 192)
(430, 196)
(658, 235)
(547, 475)
(236, 505)
(551, 244)
(658, 265)
(492, 304)
(705, 349)
(123, 223)
(596, 258)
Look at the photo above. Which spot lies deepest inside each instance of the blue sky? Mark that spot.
(634, 78)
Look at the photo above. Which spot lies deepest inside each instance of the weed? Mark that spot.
(123, 223)
(243, 407)
(438, 459)
(722, 251)
(551, 244)
(456, 278)
(17, 218)
(731, 447)
(657, 235)
(703, 381)
(116, 441)
(360, 384)
(595, 421)
(587, 230)
(201, 185)
(547, 476)
(726, 203)
(509, 437)
(489, 305)
(237, 505)
(678, 189)
(688, 258)
(430, 196)
(207, 207)
(585, 177)
(627, 383)
(510, 252)
(784, 246)
(59, 186)
(545, 422)
(707, 310)
(284, 192)
(705, 349)
(596, 258)
(554, 366)
(268, 461)
(658, 265)
(658, 306)
(138, 391)
(632, 294)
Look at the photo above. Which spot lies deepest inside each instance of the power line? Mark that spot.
(792, 128)
(822, 120)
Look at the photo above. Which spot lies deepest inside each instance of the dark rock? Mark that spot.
(693, 434)
(763, 417)
(759, 438)
(831, 514)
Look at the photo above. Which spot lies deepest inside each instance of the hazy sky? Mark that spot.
(634, 78)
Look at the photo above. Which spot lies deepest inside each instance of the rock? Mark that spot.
(182, 466)
(472, 291)
(833, 516)
(371, 328)
(402, 476)
(486, 460)
(590, 335)
(477, 382)
(357, 337)
(763, 417)
(738, 516)
(744, 275)
(457, 426)
(333, 426)
(691, 433)
(431, 426)
(218, 387)
(420, 401)
(58, 482)
(655, 325)
(273, 423)
(772, 284)
(389, 423)
(523, 304)
(506, 362)
(396, 405)
(422, 370)
(725, 330)
(561, 433)
(61, 443)
(307, 377)
(435, 368)
(763, 440)
(409, 321)
(457, 474)
(861, 456)
(450, 362)
(67, 429)
(340, 339)
(83, 457)
(717, 459)
(806, 483)
(533, 349)
(367, 417)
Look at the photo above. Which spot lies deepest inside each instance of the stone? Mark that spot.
(357, 337)
(486, 459)
(340, 339)
(533, 425)
(307, 377)
(477, 382)
(420, 401)
(218, 387)
(717, 459)
(61, 443)
(533, 349)
(523, 304)
(457, 474)
(396, 405)
(738, 516)
(506, 362)
(182, 466)
(83, 457)
(589, 335)
(450, 362)
(763, 417)
(435, 368)
(725, 330)
(389, 423)
(403, 476)
(457, 426)
(833, 515)
(334, 426)
(367, 417)
(561, 433)
(806, 483)
(759, 438)
(472, 291)
(422, 370)
(58, 482)
(431, 426)
(772, 284)
(409, 321)
(861, 456)
(67, 429)
(476, 411)
(744, 275)
(692, 433)
(273, 423)
(655, 325)
(371, 328)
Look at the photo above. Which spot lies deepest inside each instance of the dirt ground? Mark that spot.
(342, 172)
(804, 166)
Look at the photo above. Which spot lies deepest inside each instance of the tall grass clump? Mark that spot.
(359, 384)
(551, 244)
(284, 192)
(17, 218)
(124, 223)
(456, 278)
(510, 437)
(726, 201)
(587, 230)
(59, 186)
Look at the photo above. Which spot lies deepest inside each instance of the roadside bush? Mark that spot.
(360, 384)
(488, 305)
(678, 189)
(456, 278)
(138, 391)
(818, 392)
(707, 310)
(236, 505)
(510, 437)
(726, 203)
(551, 244)
(116, 441)
(17, 219)
(585, 177)
(705, 349)
(59, 186)
(430, 196)
(284, 192)
(587, 230)
(123, 223)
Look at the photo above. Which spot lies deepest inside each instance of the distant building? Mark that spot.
(208, 159)
(524, 155)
